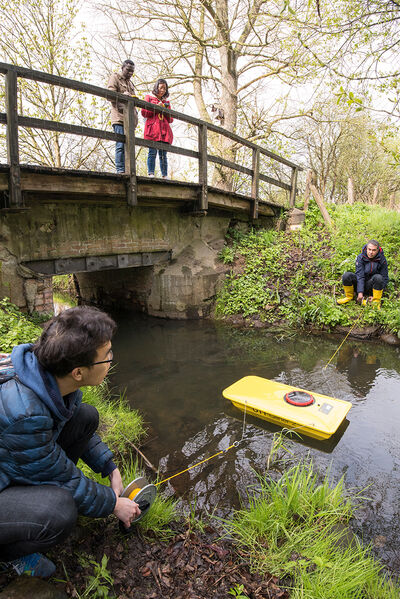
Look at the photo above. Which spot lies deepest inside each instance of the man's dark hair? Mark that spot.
(155, 88)
(72, 339)
(373, 242)
(128, 61)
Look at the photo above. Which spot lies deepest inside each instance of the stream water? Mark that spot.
(174, 373)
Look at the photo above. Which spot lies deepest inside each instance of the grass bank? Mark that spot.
(296, 529)
(295, 277)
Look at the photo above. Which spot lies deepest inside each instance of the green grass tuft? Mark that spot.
(119, 423)
(297, 527)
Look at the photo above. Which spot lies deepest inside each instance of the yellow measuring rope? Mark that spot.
(198, 464)
(327, 364)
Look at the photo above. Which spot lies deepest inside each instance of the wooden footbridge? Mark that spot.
(149, 231)
(20, 181)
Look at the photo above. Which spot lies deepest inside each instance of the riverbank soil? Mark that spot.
(189, 566)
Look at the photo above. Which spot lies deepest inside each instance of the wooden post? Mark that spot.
(293, 188)
(15, 194)
(255, 182)
(130, 157)
(319, 199)
(203, 178)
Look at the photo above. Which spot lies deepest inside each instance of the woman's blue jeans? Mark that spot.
(119, 150)
(151, 161)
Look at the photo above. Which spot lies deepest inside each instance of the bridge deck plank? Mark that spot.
(50, 185)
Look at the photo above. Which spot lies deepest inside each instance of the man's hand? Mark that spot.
(126, 510)
(116, 482)
(360, 297)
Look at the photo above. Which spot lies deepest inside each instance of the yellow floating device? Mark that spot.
(313, 414)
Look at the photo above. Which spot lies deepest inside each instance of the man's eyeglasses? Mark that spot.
(105, 361)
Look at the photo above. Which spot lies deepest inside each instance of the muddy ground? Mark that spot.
(189, 566)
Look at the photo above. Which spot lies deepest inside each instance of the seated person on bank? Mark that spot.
(371, 276)
(44, 430)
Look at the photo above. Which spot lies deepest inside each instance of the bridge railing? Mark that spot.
(13, 121)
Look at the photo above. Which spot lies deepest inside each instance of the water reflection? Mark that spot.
(174, 372)
(360, 365)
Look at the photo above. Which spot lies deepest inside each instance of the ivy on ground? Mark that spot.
(16, 327)
(295, 277)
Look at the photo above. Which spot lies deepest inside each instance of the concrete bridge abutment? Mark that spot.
(182, 287)
(158, 260)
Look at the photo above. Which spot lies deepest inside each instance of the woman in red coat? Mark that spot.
(157, 127)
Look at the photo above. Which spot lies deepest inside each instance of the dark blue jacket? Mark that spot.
(367, 267)
(32, 415)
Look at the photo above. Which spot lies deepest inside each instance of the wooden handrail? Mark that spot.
(14, 121)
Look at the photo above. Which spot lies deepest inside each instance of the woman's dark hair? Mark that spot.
(72, 339)
(155, 88)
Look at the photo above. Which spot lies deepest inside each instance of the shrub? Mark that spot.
(15, 327)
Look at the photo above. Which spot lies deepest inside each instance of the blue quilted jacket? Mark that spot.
(368, 267)
(32, 415)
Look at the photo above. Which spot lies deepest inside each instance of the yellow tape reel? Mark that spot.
(143, 493)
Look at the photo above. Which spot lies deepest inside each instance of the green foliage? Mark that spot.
(291, 277)
(62, 283)
(15, 327)
(322, 311)
(279, 448)
(118, 422)
(227, 255)
(297, 526)
(238, 591)
(98, 583)
(157, 520)
(64, 300)
(46, 35)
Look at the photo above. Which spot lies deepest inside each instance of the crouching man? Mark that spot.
(44, 430)
(370, 278)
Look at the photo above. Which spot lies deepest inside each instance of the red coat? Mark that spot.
(157, 125)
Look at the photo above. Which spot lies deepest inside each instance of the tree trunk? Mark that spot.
(307, 191)
(350, 191)
(223, 177)
(376, 194)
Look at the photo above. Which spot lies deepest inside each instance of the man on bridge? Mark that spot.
(44, 430)
(121, 82)
(371, 276)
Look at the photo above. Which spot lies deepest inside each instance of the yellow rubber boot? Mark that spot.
(348, 294)
(376, 298)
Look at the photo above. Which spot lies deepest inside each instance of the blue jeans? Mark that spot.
(34, 518)
(119, 150)
(151, 161)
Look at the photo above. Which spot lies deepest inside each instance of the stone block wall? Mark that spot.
(183, 287)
